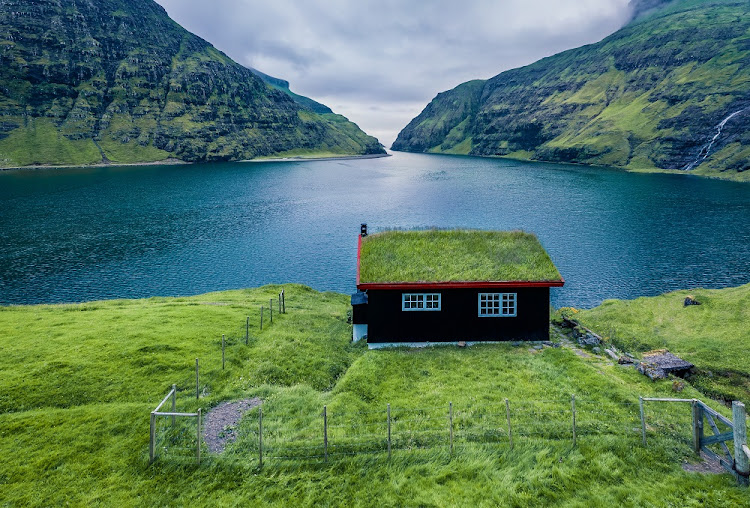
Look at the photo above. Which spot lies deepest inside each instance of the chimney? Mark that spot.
(363, 230)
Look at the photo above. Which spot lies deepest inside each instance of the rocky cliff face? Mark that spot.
(84, 81)
(653, 95)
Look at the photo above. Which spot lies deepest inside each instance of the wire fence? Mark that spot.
(282, 438)
(176, 439)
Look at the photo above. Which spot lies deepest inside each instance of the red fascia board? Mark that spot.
(461, 284)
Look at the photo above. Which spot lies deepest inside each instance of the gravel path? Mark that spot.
(706, 466)
(220, 423)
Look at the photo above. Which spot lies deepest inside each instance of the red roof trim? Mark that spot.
(461, 284)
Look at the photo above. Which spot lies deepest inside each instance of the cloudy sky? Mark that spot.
(379, 62)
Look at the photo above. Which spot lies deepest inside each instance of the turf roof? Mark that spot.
(454, 256)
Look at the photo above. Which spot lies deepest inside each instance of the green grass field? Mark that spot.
(79, 382)
(714, 335)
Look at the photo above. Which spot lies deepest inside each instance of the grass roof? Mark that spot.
(454, 256)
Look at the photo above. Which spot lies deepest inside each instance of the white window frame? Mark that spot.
(411, 302)
(503, 303)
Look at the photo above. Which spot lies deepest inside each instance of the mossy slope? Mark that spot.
(648, 97)
(119, 81)
(714, 335)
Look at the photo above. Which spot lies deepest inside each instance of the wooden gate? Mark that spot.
(735, 430)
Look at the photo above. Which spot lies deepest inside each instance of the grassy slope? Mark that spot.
(119, 79)
(283, 86)
(646, 98)
(714, 335)
(79, 381)
(445, 124)
(454, 255)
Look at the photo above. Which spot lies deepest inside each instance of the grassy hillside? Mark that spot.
(119, 81)
(79, 381)
(714, 336)
(283, 86)
(649, 97)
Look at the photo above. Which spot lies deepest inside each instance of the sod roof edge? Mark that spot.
(454, 258)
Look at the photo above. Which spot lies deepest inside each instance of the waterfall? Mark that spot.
(703, 154)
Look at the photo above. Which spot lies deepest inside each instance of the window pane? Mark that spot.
(497, 304)
(420, 301)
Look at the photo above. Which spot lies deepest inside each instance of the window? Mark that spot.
(420, 301)
(497, 304)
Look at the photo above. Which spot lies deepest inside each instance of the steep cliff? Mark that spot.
(671, 90)
(85, 82)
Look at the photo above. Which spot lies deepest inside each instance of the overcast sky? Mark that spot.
(379, 62)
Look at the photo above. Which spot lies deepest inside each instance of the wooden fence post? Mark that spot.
(279, 303)
(198, 437)
(325, 433)
(389, 431)
(270, 308)
(697, 426)
(152, 438)
(174, 403)
(222, 351)
(450, 423)
(260, 437)
(283, 301)
(573, 406)
(197, 380)
(510, 430)
(261, 318)
(741, 461)
(247, 330)
(643, 420)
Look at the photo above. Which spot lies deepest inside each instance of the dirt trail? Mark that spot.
(219, 426)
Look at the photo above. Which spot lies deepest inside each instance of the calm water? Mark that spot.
(78, 235)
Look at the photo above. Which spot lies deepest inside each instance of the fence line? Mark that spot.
(263, 438)
(241, 334)
(175, 434)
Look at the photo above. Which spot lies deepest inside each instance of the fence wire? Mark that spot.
(176, 439)
(309, 437)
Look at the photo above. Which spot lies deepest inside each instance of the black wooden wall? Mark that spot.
(458, 319)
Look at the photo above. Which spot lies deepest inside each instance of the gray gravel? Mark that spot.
(220, 424)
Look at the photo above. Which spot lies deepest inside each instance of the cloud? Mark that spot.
(379, 62)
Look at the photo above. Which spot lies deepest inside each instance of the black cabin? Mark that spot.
(438, 286)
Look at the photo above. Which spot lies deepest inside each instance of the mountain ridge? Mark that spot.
(119, 81)
(649, 97)
(283, 86)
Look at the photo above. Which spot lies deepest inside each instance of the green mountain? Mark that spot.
(117, 80)
(669, 91)
(283, 86)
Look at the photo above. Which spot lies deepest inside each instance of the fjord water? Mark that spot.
(129, 232)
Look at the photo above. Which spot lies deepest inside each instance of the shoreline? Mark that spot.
(179, 162)
(165, 162)
(651, 171)
(302, 158)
